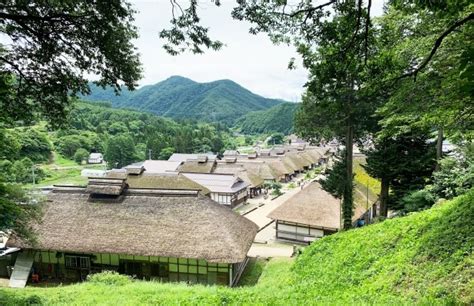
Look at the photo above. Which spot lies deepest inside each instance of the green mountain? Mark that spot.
(178, 97)
(278, 118)
(424, 258)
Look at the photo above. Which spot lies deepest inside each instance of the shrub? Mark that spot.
(276, 192)
(109, 278)
(80, 155)
(418, 200)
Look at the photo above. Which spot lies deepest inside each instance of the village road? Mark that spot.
(259, 216)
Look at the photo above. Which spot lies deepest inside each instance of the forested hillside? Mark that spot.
(178, 97)
(278, 118)
(424, 258)
(123, 136)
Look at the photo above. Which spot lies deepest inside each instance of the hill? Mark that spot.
(423, 258)
(178, 97)
(278, 118)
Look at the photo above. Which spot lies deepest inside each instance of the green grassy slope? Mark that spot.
(424, 258)
(178, 97)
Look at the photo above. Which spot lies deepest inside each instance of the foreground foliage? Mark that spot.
(423, 258)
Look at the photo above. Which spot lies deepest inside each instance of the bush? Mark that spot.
(455, 177)
(276, 192)
(109, 278)
(418, 200)
(81, 155)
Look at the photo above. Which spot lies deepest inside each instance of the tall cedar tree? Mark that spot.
(403, 163)
(336, 104)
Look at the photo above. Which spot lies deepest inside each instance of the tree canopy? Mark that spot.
(50, 46)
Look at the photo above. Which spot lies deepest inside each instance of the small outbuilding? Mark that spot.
(95, 158)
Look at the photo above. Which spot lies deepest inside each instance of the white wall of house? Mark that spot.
(297, 232)
(225, 199)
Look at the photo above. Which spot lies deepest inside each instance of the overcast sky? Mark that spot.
(250, 60)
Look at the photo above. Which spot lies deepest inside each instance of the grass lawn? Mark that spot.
(362, 178)
(63, 171)
(425, 258)
(252, 272)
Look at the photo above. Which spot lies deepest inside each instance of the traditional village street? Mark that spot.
(257, 209)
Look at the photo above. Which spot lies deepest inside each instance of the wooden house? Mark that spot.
(309, 215)
(225, 189)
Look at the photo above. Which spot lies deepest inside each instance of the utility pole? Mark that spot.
(149, 154)
(367, 208)
(33, 173)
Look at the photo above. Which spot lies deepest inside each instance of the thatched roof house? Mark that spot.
(225, 189)
(310, 214)
(167, 234)
(311, 206)
(195, 166)
(281, 169)
(189, 226)
(239, 170)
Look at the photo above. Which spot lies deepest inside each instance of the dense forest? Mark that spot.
(181, 98)
(278, 118)
(123, 136)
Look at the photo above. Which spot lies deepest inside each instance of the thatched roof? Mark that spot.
(245, 173)
(134, 169)
(308, 157)
(233, 153)
(312, 206)
(184, 226)
(279, 166)
(315, 207)
(165, 181)
(291, 163)
(315, 153)
(106, 186)
(299, 161)
(182, 157)
(195, 166)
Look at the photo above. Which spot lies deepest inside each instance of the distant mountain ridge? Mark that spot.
(181, 98)
(279, 118)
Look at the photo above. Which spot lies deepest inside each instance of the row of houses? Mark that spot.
(235, 177)
(162, 220)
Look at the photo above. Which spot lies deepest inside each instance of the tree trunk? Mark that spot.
(439, 148)
(384, 197)
(347, 198)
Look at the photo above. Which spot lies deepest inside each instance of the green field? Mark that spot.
(424, 258)
(63, 171)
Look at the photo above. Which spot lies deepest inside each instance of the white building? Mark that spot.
(95, 158)
(226, 189)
